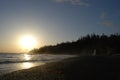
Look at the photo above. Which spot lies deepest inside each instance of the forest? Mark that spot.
(91, 45)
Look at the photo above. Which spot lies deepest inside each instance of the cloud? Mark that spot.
(103, 15)
(75, 2)
(108, 23)
(106, 20)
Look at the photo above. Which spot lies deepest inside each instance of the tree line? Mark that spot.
(91, 44)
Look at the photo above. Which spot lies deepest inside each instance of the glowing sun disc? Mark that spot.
(27, 42)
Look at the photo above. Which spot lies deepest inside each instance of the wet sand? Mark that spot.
(79, 68)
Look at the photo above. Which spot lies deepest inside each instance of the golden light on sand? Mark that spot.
(27, 42)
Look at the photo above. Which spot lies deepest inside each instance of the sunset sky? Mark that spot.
(54, 21)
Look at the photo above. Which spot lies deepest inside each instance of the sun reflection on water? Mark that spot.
(27, 57)
(27, 65)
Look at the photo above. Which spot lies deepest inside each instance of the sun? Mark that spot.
(27, 42)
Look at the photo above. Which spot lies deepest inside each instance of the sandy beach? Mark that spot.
(80, 68)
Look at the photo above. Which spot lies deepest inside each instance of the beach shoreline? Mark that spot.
(77, 68)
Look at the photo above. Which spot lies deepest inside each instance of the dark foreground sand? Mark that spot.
(80, 68)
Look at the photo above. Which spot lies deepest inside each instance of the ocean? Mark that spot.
(10, 62)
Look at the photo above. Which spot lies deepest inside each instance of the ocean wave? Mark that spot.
(8, 62)
(21, 58)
